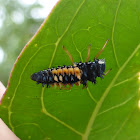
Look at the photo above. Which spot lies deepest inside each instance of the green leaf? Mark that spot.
(108, 110)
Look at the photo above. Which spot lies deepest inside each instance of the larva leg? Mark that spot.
(65, 88)
(84, 87)
(89, 47)
(98, 54)
(84, 84)
(71, 59)
(107, 72)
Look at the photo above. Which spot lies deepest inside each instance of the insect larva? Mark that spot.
(78, 73)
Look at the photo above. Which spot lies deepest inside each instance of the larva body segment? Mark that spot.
(77, 74)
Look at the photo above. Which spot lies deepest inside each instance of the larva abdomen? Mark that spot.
(64, 75)
(80, 72)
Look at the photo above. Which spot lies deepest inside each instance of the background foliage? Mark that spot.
(108, 110)
(15, 33)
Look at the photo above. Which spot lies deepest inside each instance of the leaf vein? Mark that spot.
(100, 102)
(113, 29)
(91, 96)
(60, 38)
(116, 106)
(123, 124)
(55, 118)
(35, 124)
(14, 93)
(126, 80)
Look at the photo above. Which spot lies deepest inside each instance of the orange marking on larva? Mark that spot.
(54, 71)
(59, 71)
(77, 73)
(76, 70)
(71, 71)
(55, 78)
(61, 78)
(65, 71)
(79, 76)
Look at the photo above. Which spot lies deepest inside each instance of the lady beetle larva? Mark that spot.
(77, 73)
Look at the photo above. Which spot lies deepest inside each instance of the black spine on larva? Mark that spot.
(84, 68)
(89, 72)
(50, 78)
(65, 79)
(92, 72)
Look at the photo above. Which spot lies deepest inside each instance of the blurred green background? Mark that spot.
(19, 20)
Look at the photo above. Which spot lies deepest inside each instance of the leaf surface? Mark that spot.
(108, 110)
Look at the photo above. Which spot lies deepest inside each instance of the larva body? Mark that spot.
(77, 74)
